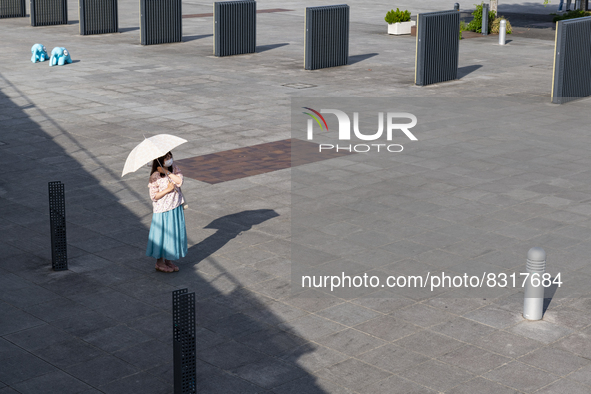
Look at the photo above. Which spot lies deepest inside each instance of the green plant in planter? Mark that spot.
(476, 23)
(397, 16)
(496, 25)
(463, 27)
(571, 15)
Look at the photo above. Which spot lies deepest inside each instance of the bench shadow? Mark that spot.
(197, 37)
(264, 48)
(126, 29)
(463, 71)
(359, 58)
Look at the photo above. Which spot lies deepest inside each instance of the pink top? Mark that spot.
(169, 201)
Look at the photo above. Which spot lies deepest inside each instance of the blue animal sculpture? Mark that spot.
(39, 53)
(59, 57)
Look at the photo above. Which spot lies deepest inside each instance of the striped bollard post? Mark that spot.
(533, 302)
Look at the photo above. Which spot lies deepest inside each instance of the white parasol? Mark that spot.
(150, 149)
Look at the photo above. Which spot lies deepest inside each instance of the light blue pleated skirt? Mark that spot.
(168, 235)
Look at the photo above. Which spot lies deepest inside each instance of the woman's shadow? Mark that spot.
(251, 341)
(229, 227)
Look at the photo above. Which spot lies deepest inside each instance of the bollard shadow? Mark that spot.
(463, 71)
(359, 58)
(549, 295)
(264, 48)
(197, 37)
(126, 29)
(111, 305)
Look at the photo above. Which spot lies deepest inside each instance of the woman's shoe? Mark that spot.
(164, 268)
(170, 264)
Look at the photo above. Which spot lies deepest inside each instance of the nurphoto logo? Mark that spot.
(345, 130)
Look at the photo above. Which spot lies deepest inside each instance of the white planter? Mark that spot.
(400, 27)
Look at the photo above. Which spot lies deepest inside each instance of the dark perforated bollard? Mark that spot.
(57, 217)
(184, 350)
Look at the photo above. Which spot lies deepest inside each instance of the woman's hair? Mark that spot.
(159, 162)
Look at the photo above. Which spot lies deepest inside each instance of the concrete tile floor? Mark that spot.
(104, 326)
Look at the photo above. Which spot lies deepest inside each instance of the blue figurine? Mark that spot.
(39, 53)
(59, 56)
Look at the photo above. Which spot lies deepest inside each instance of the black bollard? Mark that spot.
(485, 19)
(184, 350)
(57, 218)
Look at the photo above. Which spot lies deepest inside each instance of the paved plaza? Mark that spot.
(496, 170)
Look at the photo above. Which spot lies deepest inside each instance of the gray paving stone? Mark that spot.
(421, 315)
(565, 386)
(268, 372)
(452, 302)
(140, 382)
(311, 385)
(147, 354)
(353, 374)
(521, 377)
(84, 323)
(436, 374)
(494, 316)
(311, 327)
(38, 337)
(483, 386)
(541, 331)
(8, 350)
(15, 320)
(350, 342)
(474, 359)
(52, 382)
(312, 357)
(392, 358)
(115, 338)
(396, 384)
(348, 314)
(556, 361)
(383, 302)
(55, 309)
(429, 343)
(71, 351)
(221, 381)
(576, 343)
(101, 370)
(27, 296)
(509, 345)
(463, 329)
(236, 325)
(21, 366)
(229, 355)
(582, 375)
(388, 328)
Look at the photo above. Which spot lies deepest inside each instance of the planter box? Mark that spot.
(400, 27)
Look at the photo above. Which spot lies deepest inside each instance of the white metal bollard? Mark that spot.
(502, 32)
(533, 302)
